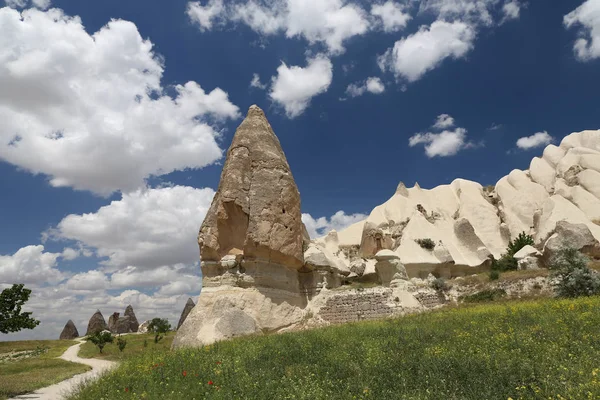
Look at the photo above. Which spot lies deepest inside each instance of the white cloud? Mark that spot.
(330, 22)
(338, 221)
(147, 228)
(413, 56)
(139, 277)
(471, 11)
(536, 140)
(70, 254)
(16, 3)
(255, 82)
(511, 10)
(204, 16)
(371, 85)
(587, 47)
(30, 264)
(445, 143)
(392, 16)
(90, 280)
(443, 121)
(295, 86)
(90, 112)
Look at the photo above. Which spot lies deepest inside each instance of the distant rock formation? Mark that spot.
(143, 328)
(133, 322)
(96, 324)
(186, 310)
(69, 331)
(261, 273)
(112, 322)
(122, 325)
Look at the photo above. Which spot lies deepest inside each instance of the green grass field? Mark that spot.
(542, 349)
(134, 347)
(23, 375)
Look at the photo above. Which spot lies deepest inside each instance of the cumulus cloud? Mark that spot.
(536, 140)
(90, 280)
(30, 264)
(587, 17)
(413, 56)
(90, 111)
(371, 85)
(338, 221)
(327, 22)
(147, 228)
(511, 10)
(445, 143)
(474, 12)
(392, 16)
(443, 121)
(295, 86)
(255, 82)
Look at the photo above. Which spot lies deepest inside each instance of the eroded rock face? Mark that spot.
(97, 324)
(143, 328)
(122, 325)
(257, 206)
(69, 331)
(186, 310)
(133, 322)
(112, 322)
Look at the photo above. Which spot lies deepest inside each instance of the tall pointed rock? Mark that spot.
(69, 331)
(186, 310)
(97, 324)
(256, 210)
(133, 322)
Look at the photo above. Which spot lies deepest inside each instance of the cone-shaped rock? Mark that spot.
(256, 209)
(112, 322)
(96, 324)
(69, 331)
(186, 310)
(133, 322)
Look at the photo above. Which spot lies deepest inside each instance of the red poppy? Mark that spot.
(184, 373)
(218, 362)
(127, 389)
(210, 382)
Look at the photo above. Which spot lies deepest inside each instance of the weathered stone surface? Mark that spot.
(257, 206)
(96, 324)
(186, 310)
(358, 266)
(69, 331)
(122, 325)
(112, 322)
(529, 262)
(133, 322)
(389, 267)
(143, 328)
(576, 236)
(527, 251)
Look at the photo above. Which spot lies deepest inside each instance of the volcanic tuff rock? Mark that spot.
(112, 322)
(133, 322)
(261, 274)
(122, 325)
(69, 331)
(186, 310)
(256, 209)
(96, 324)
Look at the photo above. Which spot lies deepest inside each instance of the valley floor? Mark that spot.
(543, 348)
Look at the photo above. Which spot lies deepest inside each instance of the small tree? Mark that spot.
(101, 339)
(520, 241)
(11, 317)
(507, 261)
(572, 276)
(159, 326)
(121, 343)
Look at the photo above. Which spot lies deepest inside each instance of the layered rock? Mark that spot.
(69, 331)
(96, 324)
(469, 224)
(186, 310)
(112, 322)
(133, 322)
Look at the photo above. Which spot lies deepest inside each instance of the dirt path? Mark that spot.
(57, 391)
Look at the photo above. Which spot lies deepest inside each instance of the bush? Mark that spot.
(507, 261)
(426, 243)
(521, 241)
(494, 275)
(572, 276)
(101, 339)
(121, 343)
(484, 295)
(159, 326)
(440, 285)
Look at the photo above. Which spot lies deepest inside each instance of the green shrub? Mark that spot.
(121, 343)
(494, 275)
(521, 241)
(484, 295)
(572, 276)
(101, 339)
(426, 243)
(507, 261)
(159, 326)
(440, 285)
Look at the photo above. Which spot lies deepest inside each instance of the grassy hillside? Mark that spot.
(525, 350)
(135, 346)
(29, 365)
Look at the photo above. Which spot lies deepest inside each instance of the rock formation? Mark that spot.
(122, 325)
(96, 324)
(69, 331)
(262, 274)
(186, 310)
(143, 328)
(133, 322)
(112, 322)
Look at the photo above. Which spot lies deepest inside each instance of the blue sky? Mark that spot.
(112, 133)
